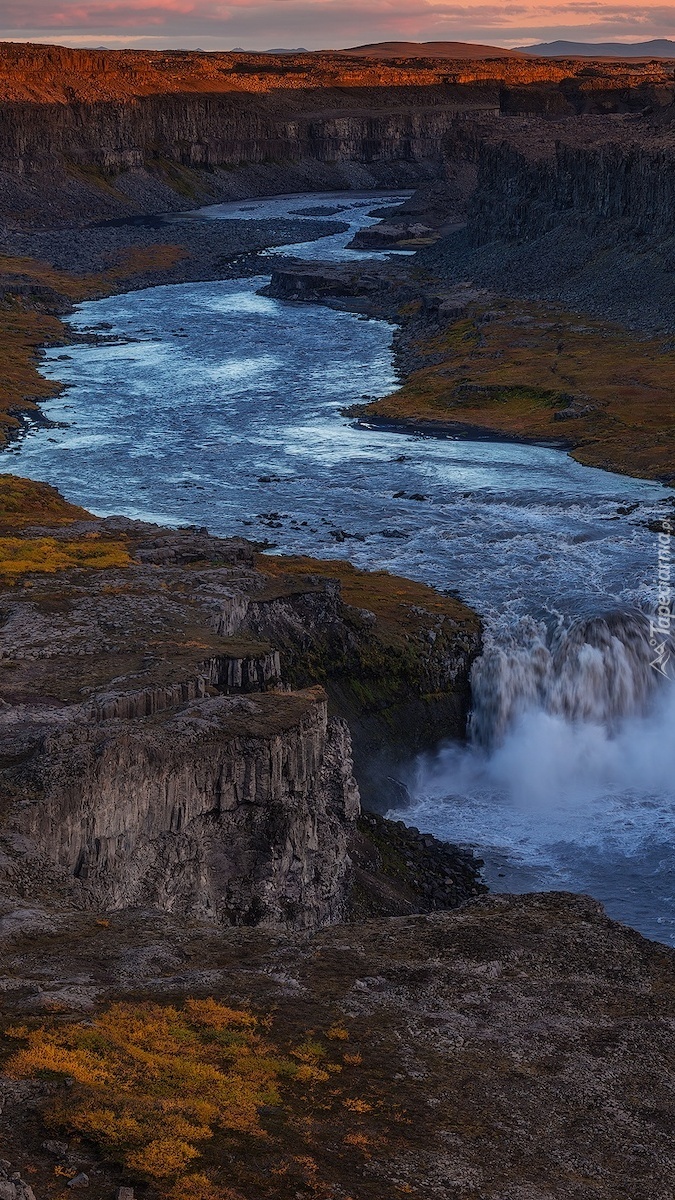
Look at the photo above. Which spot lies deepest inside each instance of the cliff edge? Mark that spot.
(173, 714)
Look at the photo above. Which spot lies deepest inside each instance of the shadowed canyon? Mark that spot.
(336, 684)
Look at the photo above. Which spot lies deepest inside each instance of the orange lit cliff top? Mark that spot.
(57, 74)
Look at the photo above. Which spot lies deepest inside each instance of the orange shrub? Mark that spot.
(152, 1082)
(21, 555)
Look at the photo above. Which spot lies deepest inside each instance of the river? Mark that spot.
(210, 404)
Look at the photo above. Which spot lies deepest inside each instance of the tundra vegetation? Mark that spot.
(181, 1096)
(538, 371)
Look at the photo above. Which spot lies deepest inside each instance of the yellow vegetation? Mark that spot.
(21, 555)
(338, 1033)
(21, 333)
(158, 1087)
(358, 1106)
(153, 1082)
(25, 502)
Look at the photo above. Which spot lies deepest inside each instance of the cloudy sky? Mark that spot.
(318, 24)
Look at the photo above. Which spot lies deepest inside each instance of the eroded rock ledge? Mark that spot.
(172, 718)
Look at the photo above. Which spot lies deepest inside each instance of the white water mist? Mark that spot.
(569, 780)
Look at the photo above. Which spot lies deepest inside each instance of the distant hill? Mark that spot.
(429, 50)
(657, 48)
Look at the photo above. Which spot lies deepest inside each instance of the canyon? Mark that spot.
(543, 180)
(121, 132)
(198, 738)
(155, 752)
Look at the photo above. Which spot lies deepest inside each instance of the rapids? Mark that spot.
(210, 404)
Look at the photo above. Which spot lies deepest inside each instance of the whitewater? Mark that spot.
(210, 404)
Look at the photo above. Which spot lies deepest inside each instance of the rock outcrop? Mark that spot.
(229, 807)
(535, 174)
(166, 738)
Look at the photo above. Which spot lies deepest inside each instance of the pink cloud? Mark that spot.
(320, 23)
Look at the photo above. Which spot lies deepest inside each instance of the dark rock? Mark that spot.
(58, 1149)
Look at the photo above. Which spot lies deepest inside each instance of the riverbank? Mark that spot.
(476, 364)
(473, 364)
(43, 275)
(541, 374)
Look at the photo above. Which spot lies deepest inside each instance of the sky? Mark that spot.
(324, 24)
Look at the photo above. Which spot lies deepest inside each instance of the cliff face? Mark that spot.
(238, 809)
(578, 211)
(534, 176)
(152, 750)
(149, 757)
(92, 134)
(171, 152)
(235, 129)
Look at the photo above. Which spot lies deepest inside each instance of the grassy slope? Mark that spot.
(511, 367)
(392, 598)
(25, 503)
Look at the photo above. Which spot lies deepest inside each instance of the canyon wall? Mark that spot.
(600, 170)
(576, 210)
(234, 808)
(87, 135)
(173, 152)
(172, 729)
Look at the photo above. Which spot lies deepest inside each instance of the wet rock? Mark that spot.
(388, 235)
(342, 535)
(396, 870)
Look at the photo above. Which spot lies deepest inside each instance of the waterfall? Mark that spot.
(597, 670)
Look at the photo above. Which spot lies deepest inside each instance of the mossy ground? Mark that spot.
(512, 366)
(387, 661)
(463, 1029)
(25, 503)
(396, 602)
(22, 556)
(206, 1101)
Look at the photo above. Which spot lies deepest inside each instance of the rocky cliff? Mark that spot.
(575, 210)
(88, 134)
(162, 153)
(166, 738)
(535, 174)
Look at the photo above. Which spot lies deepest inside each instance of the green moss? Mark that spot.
(514, 369)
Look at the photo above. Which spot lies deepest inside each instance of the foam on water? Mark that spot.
(569, 781)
